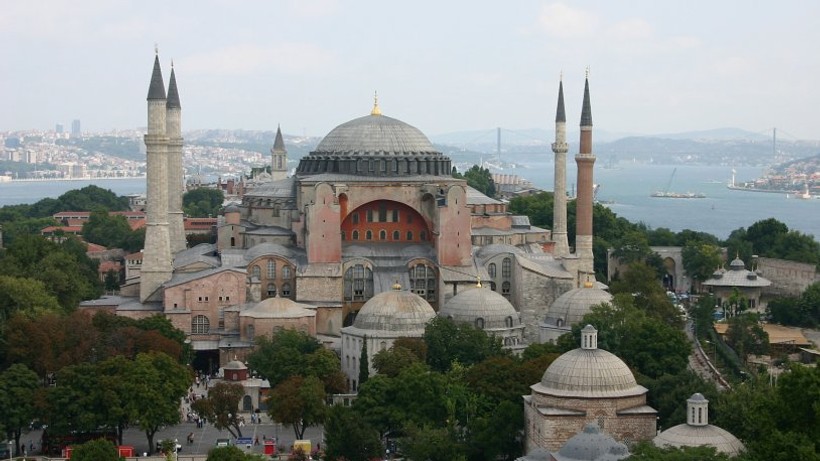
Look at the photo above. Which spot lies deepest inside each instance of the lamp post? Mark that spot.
(176, 450)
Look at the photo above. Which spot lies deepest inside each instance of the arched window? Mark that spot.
(355, 235)
(271, 269)
(396, 235)
(256, 272)
(423, 281)
(505, 289)
(491, 270)
(423, 236)
(249, 331)
(200, 325)
(286, 290)
(508, 321)
(506, 268)
(382, 234)
(271, 290)
(409, 235)
(368, 235)
(355, 217)
(383, 345)
(233, 241)
(286, 272)
(358, 283)
(492, 286)
(479, 323)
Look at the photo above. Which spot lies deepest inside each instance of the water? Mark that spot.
(628, 186)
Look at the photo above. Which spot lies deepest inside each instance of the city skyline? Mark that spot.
(308, 65)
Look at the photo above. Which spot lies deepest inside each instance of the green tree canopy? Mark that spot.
(112, 231)
(18, 391)
(348, 436)
(221, 407)
(480, 179)
(96, 450)
(202, 202)
(700, 260)
(449, 342)
(300, 402)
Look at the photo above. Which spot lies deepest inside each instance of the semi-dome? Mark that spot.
(481, 303)
(278, 308)
(375, 145)
(394, 311)
(589, 372)
(571, 307)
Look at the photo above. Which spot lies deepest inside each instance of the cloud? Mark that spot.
(248, 59)
(313, 8)
(561, 21)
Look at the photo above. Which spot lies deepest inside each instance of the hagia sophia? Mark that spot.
(369, 239)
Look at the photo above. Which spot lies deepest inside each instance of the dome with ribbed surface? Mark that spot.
(591, 444)
(571, 307)
(394, 311)
(375, 135)
(685, 435)
(474, 303)
(375, 145)
(278, 308)
(589, 372)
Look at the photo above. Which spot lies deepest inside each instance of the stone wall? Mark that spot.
(789, 278)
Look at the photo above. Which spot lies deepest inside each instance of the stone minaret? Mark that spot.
(156, 260)
(583, 202)
(559, 207)
(279, 157)
(173, 130)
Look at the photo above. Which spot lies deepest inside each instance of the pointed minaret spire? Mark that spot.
(586, 109)
(376, 110)
(173, 93)
(279, 157)
(559, 203)
(157, 88)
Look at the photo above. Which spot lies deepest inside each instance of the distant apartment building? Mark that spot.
(59, 128)
(76, 132)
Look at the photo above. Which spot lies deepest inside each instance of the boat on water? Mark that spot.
(667, 194)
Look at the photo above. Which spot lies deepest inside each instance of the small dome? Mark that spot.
(231, 208)
(737, 264)
(278, 308)
(235, 365)
(483, 303)
(589, 372)
(572, 306)
(395, 311)
(685, 435)
(591, 444)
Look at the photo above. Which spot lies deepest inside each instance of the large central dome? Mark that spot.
(375, 145)
(375, 135)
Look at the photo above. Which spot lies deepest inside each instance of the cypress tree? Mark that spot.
(364, 367)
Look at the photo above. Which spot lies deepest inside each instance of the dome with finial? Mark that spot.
(571, 307)
(484, 303)
(396, 311)
(375, 145)
(697, 431)
(278, 308)
(588, 372)
(591, 444)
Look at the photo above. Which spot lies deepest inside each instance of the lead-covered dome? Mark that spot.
(394, 311)
(375, 145)
(697, 431)
(494, 309)
(571, 307)
(589, 372)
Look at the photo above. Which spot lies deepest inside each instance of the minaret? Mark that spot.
(559, 204)
(583, 202)
(175, 180)
(278, 157)
(156, 259)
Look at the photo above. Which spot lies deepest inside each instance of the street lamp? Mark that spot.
(176, 450)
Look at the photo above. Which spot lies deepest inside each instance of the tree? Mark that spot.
(91, 197)
(25, 295)
(111, 231)
(202, 202)
(538, 207)
(391, 362)
(480, 179)
(496, 434)
(18, 390)
(222, 407)
(700, 260)
(633, 246)
(282, 355)
(648, 295)
(96, 450)
(647, 451)
(448, 342)
(364, 363)
(231, 453)
(348, 436)
(763, 235)
(298, 401)
(746, 336)
(431, 444)
(157, 383)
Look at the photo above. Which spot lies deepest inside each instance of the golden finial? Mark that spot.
(397, 286)
(478, 282)
(376, 110)
(561, 76)
(588, 284)
(156, 48)
(586, 74)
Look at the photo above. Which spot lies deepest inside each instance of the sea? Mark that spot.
(624, 187)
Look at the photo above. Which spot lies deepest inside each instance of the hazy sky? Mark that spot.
(442, 66)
